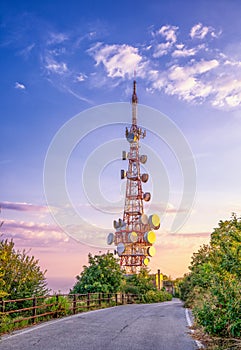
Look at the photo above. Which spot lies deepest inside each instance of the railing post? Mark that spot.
(100, 296)
(2, 305)
(88, 301)
(122, 299)
(34, 311)
(57, 302)
(74, 304)
(116, 299)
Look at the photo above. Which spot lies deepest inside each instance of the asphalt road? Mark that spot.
(161, 326)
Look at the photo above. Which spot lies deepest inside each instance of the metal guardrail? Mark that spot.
(23, 312)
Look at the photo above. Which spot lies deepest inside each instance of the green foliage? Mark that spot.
(20, 274)
(58, 304)
(142, 285)
(6, 324)
(213, 285)
(129, 288)
(155, 296)
(142, 282)
(102, 275)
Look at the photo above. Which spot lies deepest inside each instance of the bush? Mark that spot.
(219, 310)
(212, 288)
(60, 305)
(155, 296)
(6, 324)
(131, 289)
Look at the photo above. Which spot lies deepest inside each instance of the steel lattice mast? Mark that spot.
(134, 236)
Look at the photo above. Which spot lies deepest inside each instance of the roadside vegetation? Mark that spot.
(20, 278)
(105, 275)
(20, 274)
(24, 298)
(212, 287)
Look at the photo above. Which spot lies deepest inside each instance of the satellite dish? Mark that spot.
(150, 237)
(144, 219)
(146, 261)
(147, 196)
(115, 224)
(143, 159)
(120, 248)
(133, 237)
(131, 137)
(154, 221)
(144, 177)
(151, 251)
(110, 238)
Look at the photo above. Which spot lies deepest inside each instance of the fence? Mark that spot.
(19, 313)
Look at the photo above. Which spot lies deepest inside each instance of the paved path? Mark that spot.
(161, 326)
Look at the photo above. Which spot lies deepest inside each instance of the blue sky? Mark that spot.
(59, 59)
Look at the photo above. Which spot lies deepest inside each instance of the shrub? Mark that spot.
(155, 296)
(131, 289)
(212, 288)
(59, 305)
(6, 324)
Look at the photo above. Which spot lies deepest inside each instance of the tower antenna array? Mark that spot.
(134, 235)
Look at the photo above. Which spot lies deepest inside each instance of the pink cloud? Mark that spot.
(33, 234)
(23, 207)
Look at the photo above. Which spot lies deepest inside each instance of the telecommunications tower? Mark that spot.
(134, 233)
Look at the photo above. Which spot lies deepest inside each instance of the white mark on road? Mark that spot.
(189, 322)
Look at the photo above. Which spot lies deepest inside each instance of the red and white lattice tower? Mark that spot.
(134, 236)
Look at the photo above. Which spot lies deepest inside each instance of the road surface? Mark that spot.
(160, 326)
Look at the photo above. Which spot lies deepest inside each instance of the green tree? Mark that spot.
(20, 274)
(213, 285)
(102, 275)
(142, 281)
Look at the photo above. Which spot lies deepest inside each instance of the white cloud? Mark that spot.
(197, 68)
(27, 50)
(118, 60)
(187, 82)
(193, 72)
(81, 77)
(216, 81)
(56, 38)
(168, 32)
(78, 96)
(184, 52)
(180, 46)
(200, 31)
(20, 86)
(162, 49)
(56, 67)
(227, 88)
(37, 234)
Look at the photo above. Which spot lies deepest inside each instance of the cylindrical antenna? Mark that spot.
(134, 104)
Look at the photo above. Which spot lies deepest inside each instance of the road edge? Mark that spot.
(189, 322)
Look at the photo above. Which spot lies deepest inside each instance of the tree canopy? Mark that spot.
(102, 275)
(20, 274)
(213, 285)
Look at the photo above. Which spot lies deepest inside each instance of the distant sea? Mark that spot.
(60, 285)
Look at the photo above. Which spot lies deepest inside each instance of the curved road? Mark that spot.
(160, 326)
